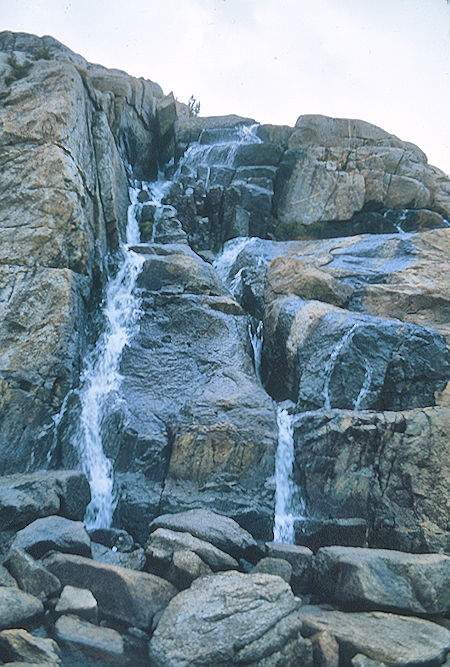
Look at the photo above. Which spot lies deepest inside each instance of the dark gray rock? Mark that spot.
(277, 566)
(77, 602)
(133, 560)
(6, 579)
(162, 544)
(396, 640)
(129, 597)
(94, 643)
(113, 537)
(231, 618)
(384, 579)
(53, 533)
(314, 533)
(31, 576)
(19, 646)
(18, 608)
(257, 155)
(301, 560)
(219, 530)
(26, 497)
(390, 468)
(181, 568)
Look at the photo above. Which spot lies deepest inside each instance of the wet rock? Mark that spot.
(189, 274)
(26, 497)
(18, 608)
(31, 576)
(231, 618)
(300, 558)
(390, 468)
(189, 129)
(53, 533)
(399, 640)
(163, 543)
(384, 579)
(123, 595)
(314, 534)
(257, 154)
(94, 643)
(77, 602)
(133, 560)
(19, 646)
(113, 537)
(277, 566)
(219, 530)
(309, 349)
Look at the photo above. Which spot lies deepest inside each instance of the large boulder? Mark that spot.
(53, 533)
(384, 579)
(395, 640)
(31, 576)
(94, 643)
(26, 497)
(129, 597)
(391, 468)
(335, 167)
(219, 530)
(231, 618)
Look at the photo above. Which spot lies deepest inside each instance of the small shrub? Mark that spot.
(193, 107)
(146, 229)
(43, 53)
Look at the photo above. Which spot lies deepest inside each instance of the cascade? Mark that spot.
(100, 380)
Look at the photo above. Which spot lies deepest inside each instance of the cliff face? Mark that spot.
(68, 129)
(347, 231)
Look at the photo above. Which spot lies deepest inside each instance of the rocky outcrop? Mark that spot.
(67, 128)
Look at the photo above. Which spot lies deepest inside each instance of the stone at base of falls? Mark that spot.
(325, 650)
(95, 643)
(301, 560)
(77, 602)
(278, 566)
(29, 496)
(18, 608)
(219, 530)
(231, 618)
(398, 640)
(314, 533)
(391, 468)
(19, 646)
(181, 568)
(133, 560)
(53, 533)
(163, 543)
(361, 660)
(123, 595)
(31, 576)
(383, 579)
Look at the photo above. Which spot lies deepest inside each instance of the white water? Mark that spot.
(256, 335)
(101, 378)
(225, 260)
(331, 363)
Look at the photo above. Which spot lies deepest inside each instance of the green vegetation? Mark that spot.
(293, 230)
(43, 53)
(193, 107)
(146, 229)
(18, 71)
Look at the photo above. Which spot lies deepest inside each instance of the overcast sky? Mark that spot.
(385, 61)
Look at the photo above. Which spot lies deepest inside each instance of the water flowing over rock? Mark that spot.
(238, 334)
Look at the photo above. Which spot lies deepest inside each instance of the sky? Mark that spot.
(383, 61)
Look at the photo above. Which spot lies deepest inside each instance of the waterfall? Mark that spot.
(101, 378)
(255, 332)
(331, 363)
(225, 260)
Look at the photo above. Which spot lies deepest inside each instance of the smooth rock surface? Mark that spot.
(77, 602)
(53, 533)
(231, 618)
(276, 566)
(398, 640)
(123, 595)
(384, 579)
(219, 530)
(299, 557)
(95, 643)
